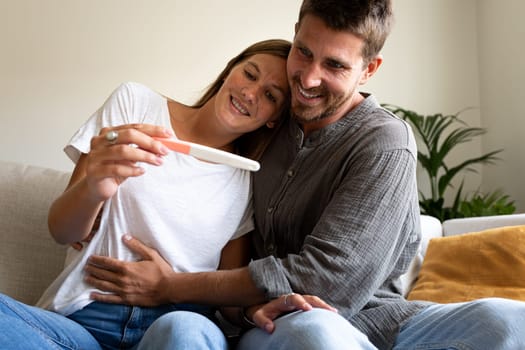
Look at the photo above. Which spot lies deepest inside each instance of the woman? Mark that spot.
(199, 211)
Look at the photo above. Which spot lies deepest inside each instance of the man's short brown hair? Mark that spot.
(370, 20)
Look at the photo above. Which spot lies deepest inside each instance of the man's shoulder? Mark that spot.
(373, 116)
(386, 130)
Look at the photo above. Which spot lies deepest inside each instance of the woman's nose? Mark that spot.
(249, 93)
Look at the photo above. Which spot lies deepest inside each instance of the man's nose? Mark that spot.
(311, 76)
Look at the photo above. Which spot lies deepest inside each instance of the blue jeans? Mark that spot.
(117, 326)
(317, 329)
(491, 324)
(28, 327)
(107, 326)
(183, 330)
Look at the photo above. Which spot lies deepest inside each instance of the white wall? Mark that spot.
(502, 75)
(431, 67)
(61, 58)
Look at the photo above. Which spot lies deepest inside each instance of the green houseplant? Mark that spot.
(439, 135)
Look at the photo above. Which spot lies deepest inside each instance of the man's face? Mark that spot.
(324, 67)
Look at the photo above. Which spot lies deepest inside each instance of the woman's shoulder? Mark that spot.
(131, 88)
(136, 95)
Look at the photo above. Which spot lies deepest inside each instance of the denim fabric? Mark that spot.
(28, 327)
(315, 329)
(182, 330)
(485, 324)
(121, 326)
(106, 326)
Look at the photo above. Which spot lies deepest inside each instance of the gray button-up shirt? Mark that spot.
(337, 216)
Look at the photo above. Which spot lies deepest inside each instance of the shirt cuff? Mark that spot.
(269, 277)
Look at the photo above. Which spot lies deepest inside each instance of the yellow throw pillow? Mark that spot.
(475, 265)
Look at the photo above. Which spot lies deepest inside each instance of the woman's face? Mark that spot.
(254, 93)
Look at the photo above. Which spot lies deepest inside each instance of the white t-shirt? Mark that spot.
(186, 209)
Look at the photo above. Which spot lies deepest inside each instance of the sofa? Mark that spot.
(30, 259)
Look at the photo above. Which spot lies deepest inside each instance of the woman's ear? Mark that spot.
(270, 125)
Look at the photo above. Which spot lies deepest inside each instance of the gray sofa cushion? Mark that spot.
(29, 258)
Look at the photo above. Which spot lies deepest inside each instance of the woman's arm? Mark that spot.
(72, 215)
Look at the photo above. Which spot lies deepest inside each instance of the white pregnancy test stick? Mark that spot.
(210, 154)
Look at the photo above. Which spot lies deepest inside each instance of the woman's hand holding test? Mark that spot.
(112, 159)
(115, 152)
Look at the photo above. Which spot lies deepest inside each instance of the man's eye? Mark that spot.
(304, 52)
(335, 64)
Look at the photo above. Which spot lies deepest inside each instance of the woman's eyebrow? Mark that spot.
(255, 66)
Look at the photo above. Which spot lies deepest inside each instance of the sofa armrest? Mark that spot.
(474, 224)
(430, 228)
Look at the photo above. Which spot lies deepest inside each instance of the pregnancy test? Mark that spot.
(210, 154)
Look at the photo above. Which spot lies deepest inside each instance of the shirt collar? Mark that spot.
(351, 119)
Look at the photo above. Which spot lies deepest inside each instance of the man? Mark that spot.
(336, 214)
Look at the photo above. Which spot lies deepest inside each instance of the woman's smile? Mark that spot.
(239, 106)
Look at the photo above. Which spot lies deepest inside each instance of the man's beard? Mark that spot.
(305, 114)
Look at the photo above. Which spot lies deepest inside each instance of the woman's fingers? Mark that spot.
(116, 154)
(116, 151)
(139, 135)
(129, 143)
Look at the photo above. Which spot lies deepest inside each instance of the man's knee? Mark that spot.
(314, 321)
(504, 314)
(314, 329)
(502, 322)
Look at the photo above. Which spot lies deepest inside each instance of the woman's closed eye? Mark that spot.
(271, 96)
(250, 75)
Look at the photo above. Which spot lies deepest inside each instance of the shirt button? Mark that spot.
(290, 173)
(270, 209)
(270, 248)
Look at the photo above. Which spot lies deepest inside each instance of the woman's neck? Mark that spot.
(198, 125)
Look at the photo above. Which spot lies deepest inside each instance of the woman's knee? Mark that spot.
(183, 329)
(182, 322)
